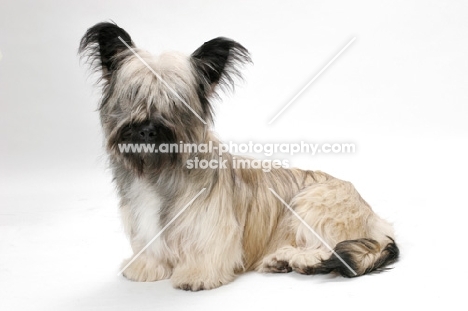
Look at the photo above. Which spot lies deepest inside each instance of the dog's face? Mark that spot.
(157, 99)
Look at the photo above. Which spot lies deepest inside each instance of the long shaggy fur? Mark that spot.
(236, 224)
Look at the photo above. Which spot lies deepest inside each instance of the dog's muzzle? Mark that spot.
(152, 131)
(145, 132)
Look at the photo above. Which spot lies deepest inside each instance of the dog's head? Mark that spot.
(151, 99)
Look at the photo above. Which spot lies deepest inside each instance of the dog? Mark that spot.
(203, 227)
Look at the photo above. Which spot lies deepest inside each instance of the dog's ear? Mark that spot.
(217, 62)
(102, 47)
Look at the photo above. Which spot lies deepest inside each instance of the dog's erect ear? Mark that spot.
(102, 47)
(217, 63)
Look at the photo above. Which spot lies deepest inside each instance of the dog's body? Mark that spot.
(237, 223)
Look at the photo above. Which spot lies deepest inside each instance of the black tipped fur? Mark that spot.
(217, 61)
(352, 252)
(101, 44)
(389, 255)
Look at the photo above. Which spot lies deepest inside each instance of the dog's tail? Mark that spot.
(353, 258)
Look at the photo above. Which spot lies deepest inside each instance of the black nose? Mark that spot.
(145, 131)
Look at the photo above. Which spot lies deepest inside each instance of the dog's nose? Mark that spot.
(146, 132)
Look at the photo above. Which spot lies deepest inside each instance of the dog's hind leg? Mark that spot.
(335, 230)
(289, 258)
(342, 234)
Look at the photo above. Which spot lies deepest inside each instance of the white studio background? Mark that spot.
(399, 92)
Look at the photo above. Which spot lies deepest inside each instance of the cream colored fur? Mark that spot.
(239, 225)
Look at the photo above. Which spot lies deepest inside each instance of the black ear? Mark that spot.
(102, 47)
(217, 63)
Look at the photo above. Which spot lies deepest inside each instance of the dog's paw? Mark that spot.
(304, 262)
(195, 279)
(273, 265)
(278, 262)
(195, 285)
(143, 269)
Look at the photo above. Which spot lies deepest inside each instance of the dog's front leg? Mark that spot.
(145, 268)
(151, 264)
(211, 256)
(205, 272)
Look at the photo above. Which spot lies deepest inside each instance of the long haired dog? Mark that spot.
(218, 222)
